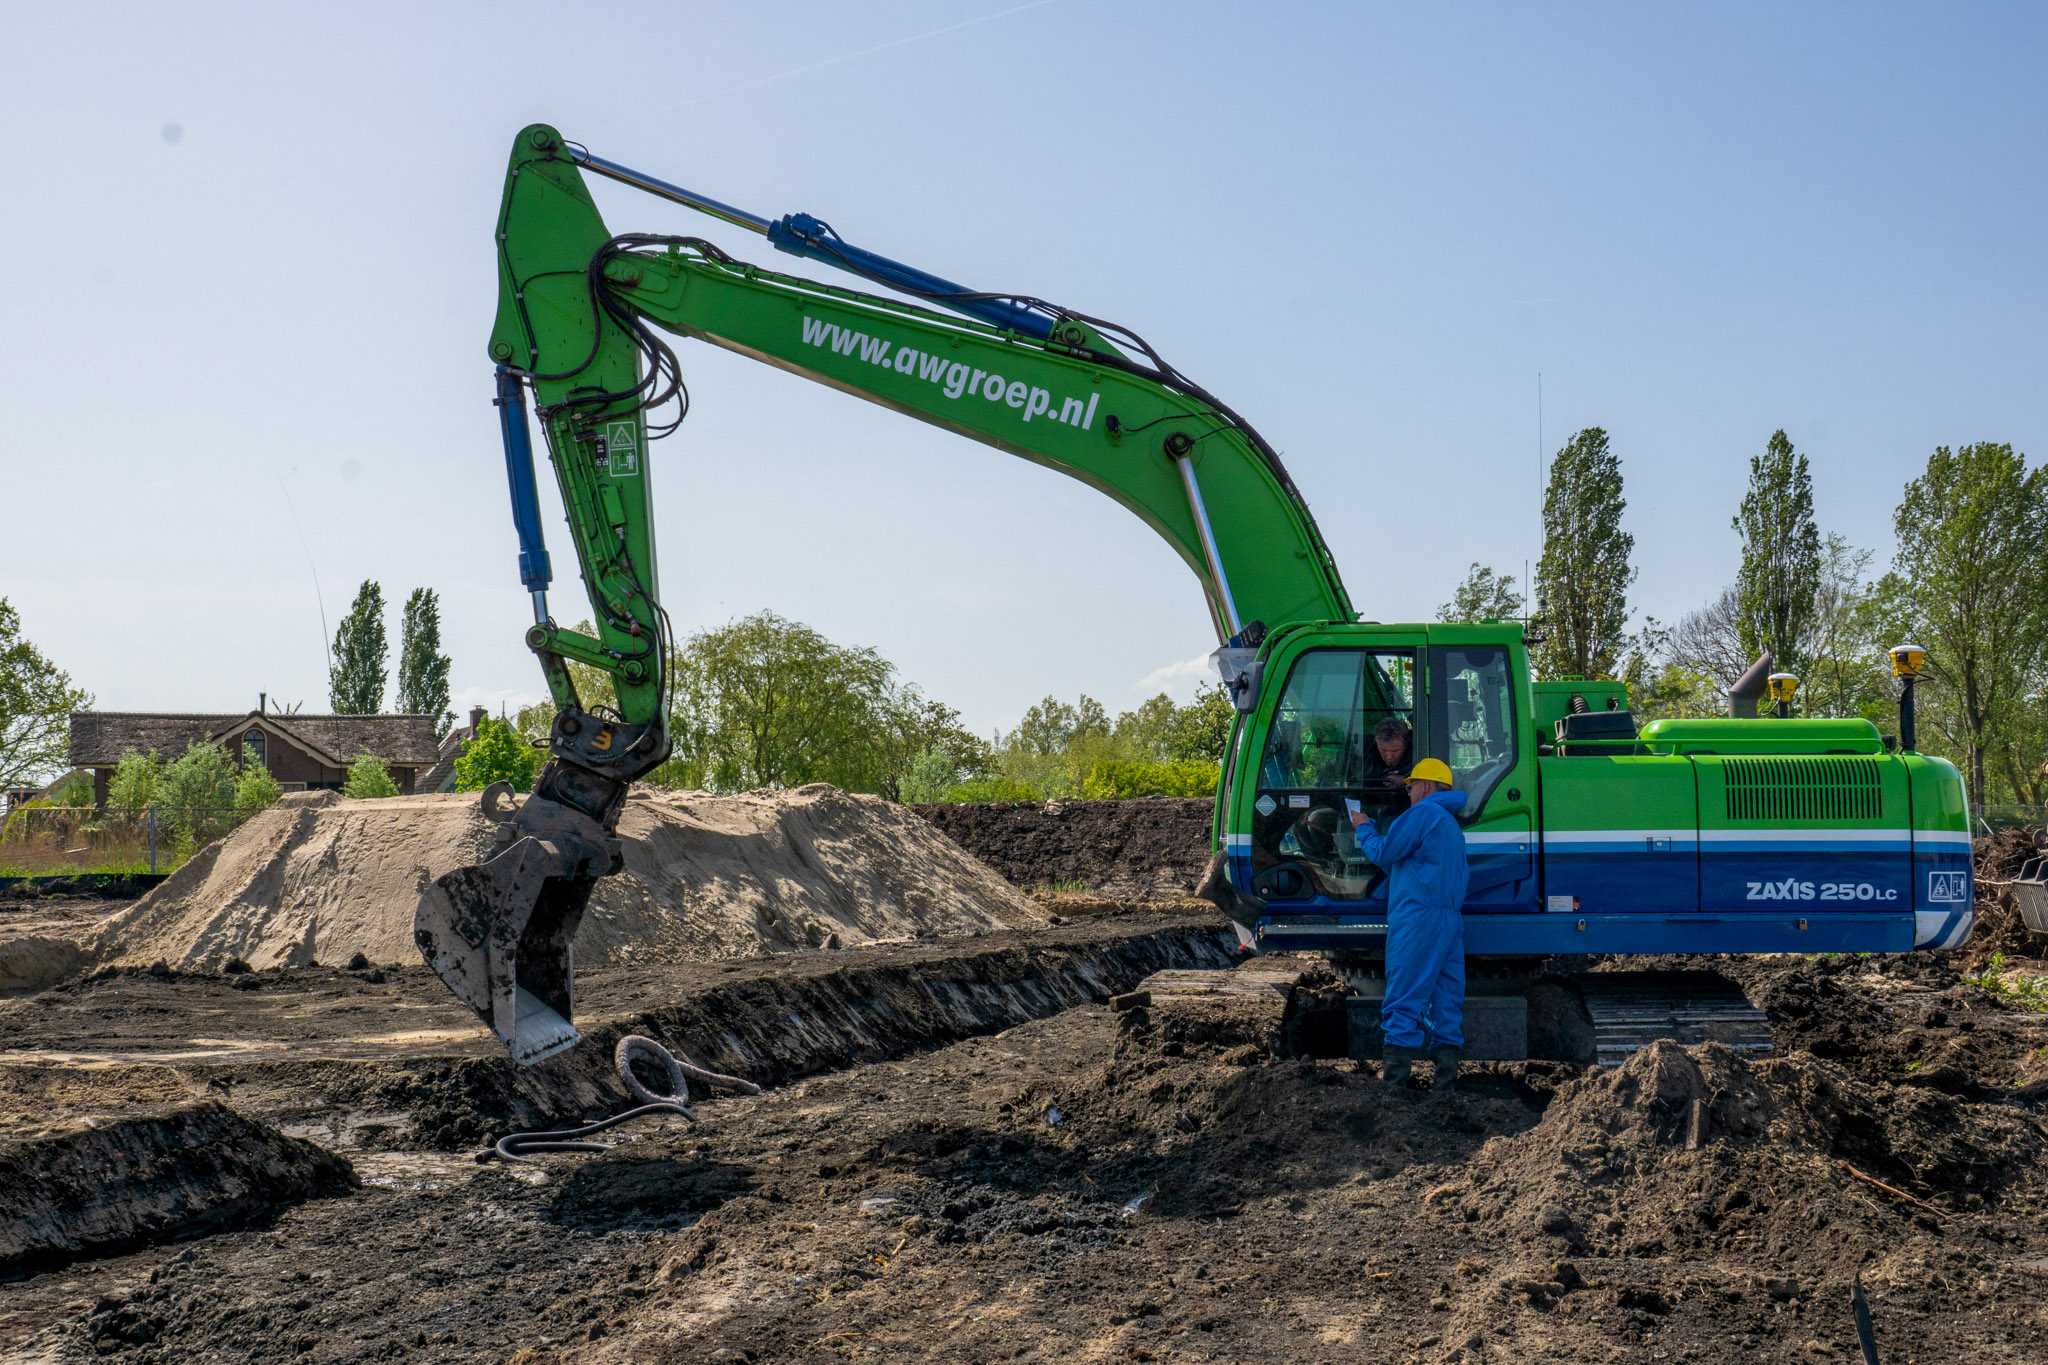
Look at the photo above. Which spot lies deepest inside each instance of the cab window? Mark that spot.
(1474, 699)
(1315, 756)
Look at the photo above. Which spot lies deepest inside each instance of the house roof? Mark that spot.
(99, 738)
(441, 777)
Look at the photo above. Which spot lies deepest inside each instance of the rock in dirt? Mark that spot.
(84, 1188)
(318, 877)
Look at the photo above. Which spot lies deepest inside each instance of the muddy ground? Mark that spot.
(1080, 1186)
(966, 1153)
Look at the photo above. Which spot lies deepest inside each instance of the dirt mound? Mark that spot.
(320, 878)
(1691, 1151)
(1999, 929)
(1150, 848)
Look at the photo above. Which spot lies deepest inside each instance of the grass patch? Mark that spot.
(2021, 992)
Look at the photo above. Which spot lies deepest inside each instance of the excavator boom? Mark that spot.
(577, 316)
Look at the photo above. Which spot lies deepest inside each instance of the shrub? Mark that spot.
(74, 791)
(929, 776)
(497, 754)
(255, 788)
(997, 788)
(195, 795)
(133, 784)
(1123, 778)
(368, 778)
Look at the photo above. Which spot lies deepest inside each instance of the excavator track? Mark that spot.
(1631, 1010)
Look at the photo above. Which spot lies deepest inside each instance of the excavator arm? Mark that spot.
(580, 316)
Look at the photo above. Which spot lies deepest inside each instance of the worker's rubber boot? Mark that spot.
(1446, 1059)
(1397, 1064)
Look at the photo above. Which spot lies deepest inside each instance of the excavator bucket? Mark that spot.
(499, 931)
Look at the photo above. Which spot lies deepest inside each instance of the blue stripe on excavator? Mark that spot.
(534, 571)
(802, 235)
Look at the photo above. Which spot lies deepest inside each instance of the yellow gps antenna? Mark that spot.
(1782, 686)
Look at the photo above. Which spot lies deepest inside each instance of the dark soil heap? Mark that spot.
(1998, 858)
(1149, 848)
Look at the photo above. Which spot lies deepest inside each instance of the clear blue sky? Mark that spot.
(1368, 228)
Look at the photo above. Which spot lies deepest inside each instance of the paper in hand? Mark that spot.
(1351, 804)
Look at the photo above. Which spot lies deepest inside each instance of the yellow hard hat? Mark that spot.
(1431, 770)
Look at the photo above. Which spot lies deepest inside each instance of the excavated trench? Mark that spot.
(199, 1115)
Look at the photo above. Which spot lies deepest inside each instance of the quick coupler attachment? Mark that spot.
(498, 932)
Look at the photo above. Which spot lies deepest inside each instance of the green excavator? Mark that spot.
(1586, 832)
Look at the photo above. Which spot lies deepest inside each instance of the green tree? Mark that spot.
(356, 680)
(1844, 669)
(368, 778)
(195, 795)
(1146, 730)
(256, 788)
(928, 777)
(422, 667)
(2019, 750)
(133, 784)
(36, 702)
(768, 702)
(1970, 582)
(1051, 727)
(1780, 578)
(916, 726)
(498, 753)
(1200, 731)
(1483, 596)
(1584, 576)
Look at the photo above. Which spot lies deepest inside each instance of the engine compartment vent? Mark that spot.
(1803, 789)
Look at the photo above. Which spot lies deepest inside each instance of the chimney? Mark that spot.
(262, 702)
(477, 716)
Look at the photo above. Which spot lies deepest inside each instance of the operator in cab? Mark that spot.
(1423, 852)
(1390, 755)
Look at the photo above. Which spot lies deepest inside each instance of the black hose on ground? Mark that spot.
(681, 1071)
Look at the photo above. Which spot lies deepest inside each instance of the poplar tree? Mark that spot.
(1971, 584)
(1779, 584)
(1584, 576)
(422, 667)
(356, 681)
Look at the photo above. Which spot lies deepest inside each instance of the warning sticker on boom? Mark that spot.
(622, 449)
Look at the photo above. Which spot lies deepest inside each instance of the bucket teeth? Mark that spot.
(499, 932)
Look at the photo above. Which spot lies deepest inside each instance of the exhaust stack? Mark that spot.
(1742, 698)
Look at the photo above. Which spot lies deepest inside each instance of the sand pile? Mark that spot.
(319, 878)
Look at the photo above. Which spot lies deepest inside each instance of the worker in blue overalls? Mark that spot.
(1423, 855)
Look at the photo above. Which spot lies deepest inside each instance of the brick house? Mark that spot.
(302, 752)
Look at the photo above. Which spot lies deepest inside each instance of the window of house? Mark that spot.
(1314, 758)
(252, 748)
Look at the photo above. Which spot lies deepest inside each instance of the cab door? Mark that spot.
(1475, 729)
(1315, 755)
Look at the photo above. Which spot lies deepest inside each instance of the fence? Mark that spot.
(1988, 818)
(39, 841)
